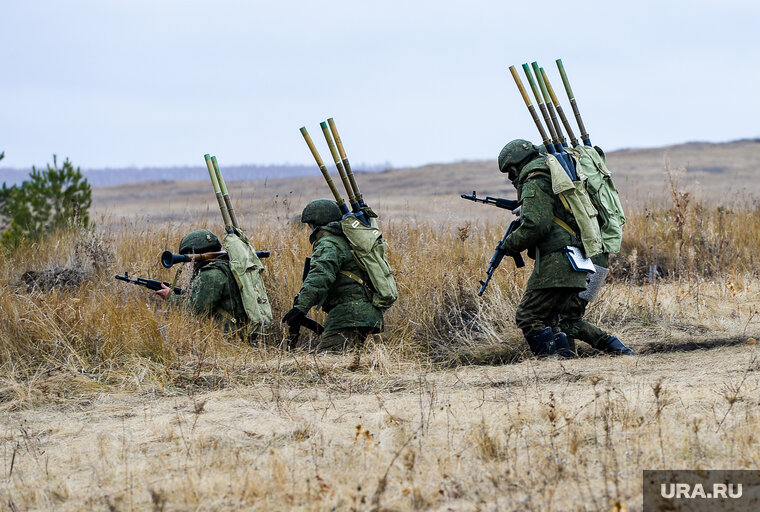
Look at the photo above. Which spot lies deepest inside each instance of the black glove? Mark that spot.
(293, 317)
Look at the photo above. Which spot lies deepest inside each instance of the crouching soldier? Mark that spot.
(336, 283)
(213, 289)
(547, 228)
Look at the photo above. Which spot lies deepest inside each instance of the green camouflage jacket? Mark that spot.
(347, 303)
(540, 234)
(214, 292)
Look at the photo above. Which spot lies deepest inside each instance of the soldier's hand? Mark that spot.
(164, 291)
(293, 317)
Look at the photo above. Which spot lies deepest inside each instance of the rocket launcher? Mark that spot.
(542, 107)
(219, 198)
(549, 104)
(346, 164)
(339, 200)
(355, 206)
(565, 122)
(570, 96)
(544, 137)
(225, 194)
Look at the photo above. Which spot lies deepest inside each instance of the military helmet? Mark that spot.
(516, 154)
(320, 212)
(199, 241)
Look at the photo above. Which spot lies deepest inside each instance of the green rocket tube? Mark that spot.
(339, 200)
(218, 191)
(225, 194)
(570, 96)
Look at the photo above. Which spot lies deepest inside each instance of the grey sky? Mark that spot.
(117, 83)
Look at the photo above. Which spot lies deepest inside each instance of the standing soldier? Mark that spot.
(336, 283)
(547, 226)
(213, 289)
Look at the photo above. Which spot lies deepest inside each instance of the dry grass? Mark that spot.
(110, 401)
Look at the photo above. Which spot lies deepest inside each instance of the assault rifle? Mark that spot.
(499, 202)
(150, 284)
(294, 330)
(501, 251)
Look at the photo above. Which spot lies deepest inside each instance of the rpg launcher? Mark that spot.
(168, 259)
(501, 251)
(359, 208)
(150, 284)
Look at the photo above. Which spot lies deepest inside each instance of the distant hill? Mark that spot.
(118, 176)
(716, 173)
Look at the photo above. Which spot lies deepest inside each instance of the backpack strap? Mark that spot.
(564, 225)
(565, 204)
(539, 173)
(353, 276)
(227, 316)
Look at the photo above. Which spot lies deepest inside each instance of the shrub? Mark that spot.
(50, 199)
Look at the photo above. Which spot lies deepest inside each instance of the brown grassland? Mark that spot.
(111, 401)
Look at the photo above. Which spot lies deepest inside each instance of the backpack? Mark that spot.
(368, 248)
(603, 194)
(574, 196)
(247, 269)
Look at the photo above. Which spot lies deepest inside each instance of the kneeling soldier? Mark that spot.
(336, 283)
(547, 226)
(213, 289)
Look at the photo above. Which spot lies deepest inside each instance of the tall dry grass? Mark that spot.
(116, 334)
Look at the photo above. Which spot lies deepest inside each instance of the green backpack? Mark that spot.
(603, 194)
(247, 269)
(575, 197)
(368, 247)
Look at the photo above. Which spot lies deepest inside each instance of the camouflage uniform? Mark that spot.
(546, 227)
(550, 311)
(572, 322)
(213, 289)
(334, 284)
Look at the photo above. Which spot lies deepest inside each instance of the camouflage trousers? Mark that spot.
(343, 339)
(562, 310)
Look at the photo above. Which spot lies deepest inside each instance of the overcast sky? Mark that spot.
(161, 82)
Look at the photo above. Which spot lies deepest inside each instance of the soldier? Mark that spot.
(336, 283)
(213, 289)
(546, 227)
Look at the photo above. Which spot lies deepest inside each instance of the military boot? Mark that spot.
(541, 342)
(615, 347)
(562, 346)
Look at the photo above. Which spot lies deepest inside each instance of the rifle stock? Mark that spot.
(150, 284)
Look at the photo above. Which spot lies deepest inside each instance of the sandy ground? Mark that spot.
(537, 435)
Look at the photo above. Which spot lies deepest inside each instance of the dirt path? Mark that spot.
(538, 435)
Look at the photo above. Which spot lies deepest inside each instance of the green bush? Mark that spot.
(50, 199)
